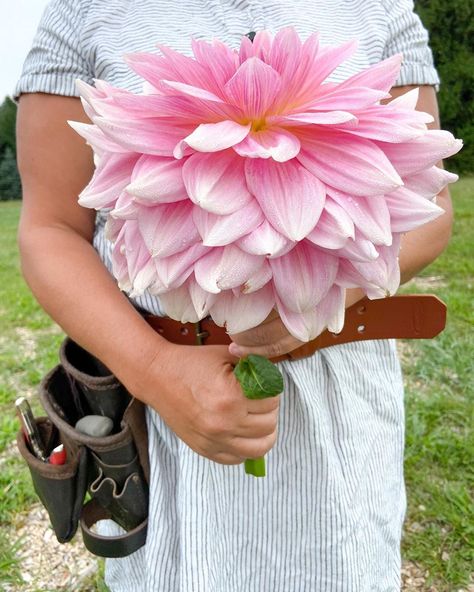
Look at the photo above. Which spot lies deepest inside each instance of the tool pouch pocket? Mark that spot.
(61, 488)
(114, 469)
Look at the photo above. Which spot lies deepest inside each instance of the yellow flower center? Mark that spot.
(258, 125)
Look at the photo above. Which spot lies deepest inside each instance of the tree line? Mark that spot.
(10, 186)
(451, 27)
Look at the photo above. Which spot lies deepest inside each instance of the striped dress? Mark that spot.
(328, 516)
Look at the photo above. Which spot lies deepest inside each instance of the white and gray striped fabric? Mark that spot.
(328, 516)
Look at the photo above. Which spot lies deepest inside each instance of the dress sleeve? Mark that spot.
(407, 35)
(58, 55)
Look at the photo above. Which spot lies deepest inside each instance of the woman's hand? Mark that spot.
(196, 393)
(271, 338)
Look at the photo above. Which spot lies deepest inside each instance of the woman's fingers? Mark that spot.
(266, 332)
(253, 447)
(259, 425)
(263, 406)
(270, 339)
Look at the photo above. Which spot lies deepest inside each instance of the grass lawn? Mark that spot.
(439, 456)
(439, 530)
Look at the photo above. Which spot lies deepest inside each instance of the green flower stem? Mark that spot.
(259, 379)
(255, 466)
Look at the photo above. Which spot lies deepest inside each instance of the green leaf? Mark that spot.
(258, 377)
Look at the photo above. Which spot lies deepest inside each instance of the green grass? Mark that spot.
(29, 342)
(440, 412)
(439, 403)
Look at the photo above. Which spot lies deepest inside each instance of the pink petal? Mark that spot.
(216, 182)
(125, 208)
(262, 44)
(429, 182)
(172, 271)
(213, 137)
(129, 249)
(314, 117)
(225, 268)
(329, 58)
(334, 227)
(369, 214)
(303, 276)
(168, 229)
(308, 325)
(170, 107)
(151, 67)
(259, 47)
(253, 88)
(409, 210)
(112, 229)
(110, 178)
(171, 65)
(408, 100)
(186, 69)
(332, 308)
(265, 240)
(387, 125)
(357, 249)
(143, 279)
(316, 65)
(192, 91)
(156, 179)
(291, 198)
(423, 152)
(218, 230)
(344, 98)
(217, 58)
(293, 61)
(261, 277)
(119, 261)
(379, 278)
(151, 136)
(178, 305)
(276, 143)
(353, 165)
(96, 138)
(202, 300)
(381, 76)
(285, 53)
(244, 312)
(246, 50)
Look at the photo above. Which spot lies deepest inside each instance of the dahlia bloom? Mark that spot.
(242, 181)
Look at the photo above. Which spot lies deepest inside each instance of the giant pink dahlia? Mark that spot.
(242, 181)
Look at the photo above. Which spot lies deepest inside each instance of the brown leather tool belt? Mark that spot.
(412, 316)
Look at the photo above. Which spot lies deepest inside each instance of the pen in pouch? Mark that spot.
(30, 429)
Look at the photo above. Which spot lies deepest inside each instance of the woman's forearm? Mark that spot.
(422, 246)
(71, 283)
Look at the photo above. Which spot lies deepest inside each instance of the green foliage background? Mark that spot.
(451, 28)
(10, 186)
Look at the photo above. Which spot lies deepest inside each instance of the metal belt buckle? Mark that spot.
(200, 334)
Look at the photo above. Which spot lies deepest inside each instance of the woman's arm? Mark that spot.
(419, 248)
(192, 388)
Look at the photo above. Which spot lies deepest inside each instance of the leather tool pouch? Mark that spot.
(114, 469)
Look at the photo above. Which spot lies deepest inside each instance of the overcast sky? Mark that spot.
(18, 22)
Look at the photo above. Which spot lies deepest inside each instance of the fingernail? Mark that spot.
(235, 350)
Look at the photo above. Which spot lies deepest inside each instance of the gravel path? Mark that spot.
(49, 566)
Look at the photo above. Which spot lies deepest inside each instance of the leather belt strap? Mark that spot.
(109, 546)
(411, 316)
